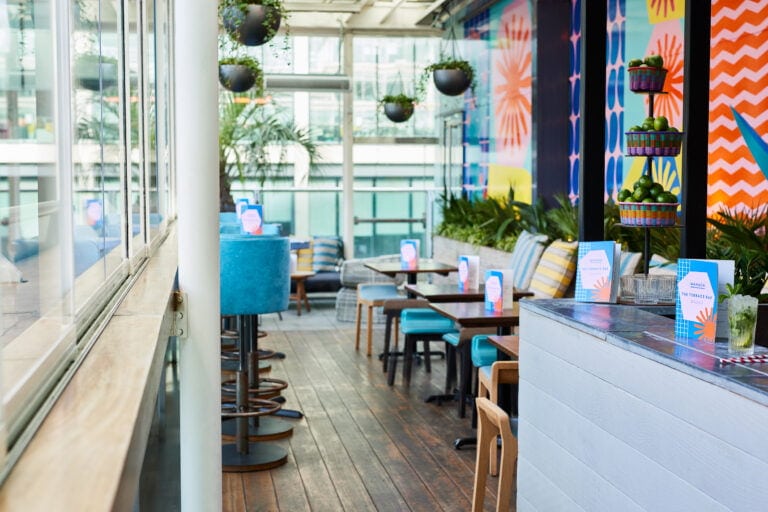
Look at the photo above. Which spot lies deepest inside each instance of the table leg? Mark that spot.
(302, 290)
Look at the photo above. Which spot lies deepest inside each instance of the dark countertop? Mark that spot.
(644, 331)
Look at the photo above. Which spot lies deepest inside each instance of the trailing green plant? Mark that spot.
(254, 138)
(446, 62)
(743, 237)
(233, 12)
(401, 99)
(250, 63)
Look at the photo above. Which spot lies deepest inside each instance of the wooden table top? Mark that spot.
(425, 265)
(451, 293)
(510, 345)
(301, 274)
(474, 314)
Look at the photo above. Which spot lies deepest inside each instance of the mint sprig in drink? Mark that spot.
(742, 319)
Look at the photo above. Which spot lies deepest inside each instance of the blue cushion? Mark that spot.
(525, 256)
(378, 291)
(326, 252)
(483, 353)
(452, 338)
(424, 321)
(629, 261)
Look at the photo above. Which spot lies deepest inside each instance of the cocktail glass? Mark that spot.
(742, 320)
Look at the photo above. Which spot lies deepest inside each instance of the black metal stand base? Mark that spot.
(260, 457)
(268, 429)
(464, 441)
(233, 366)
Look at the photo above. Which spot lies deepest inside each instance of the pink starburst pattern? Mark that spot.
(512, 94)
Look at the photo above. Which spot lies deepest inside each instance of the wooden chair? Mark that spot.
(372, 295)
(488, 380)
(494, 422)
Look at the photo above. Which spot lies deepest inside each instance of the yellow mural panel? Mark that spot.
(502, 177)
(665, 10)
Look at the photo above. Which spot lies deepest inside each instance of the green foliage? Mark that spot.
(233, 12)
(743, 237)
(251, 64)
(254, 139)
(401, 99)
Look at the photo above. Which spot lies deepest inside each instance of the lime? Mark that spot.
(660, 124)
(649, 199)
(654, 61)
(645, 181)
(635, 63)
(640, 193)
(624, 194)
(655, 189)
(668, 197)
(636, 128)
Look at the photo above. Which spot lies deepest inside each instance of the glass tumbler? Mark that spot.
(647, 289)
(742, 321)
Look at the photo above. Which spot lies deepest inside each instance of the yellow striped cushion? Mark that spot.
(305, 259)
(555, 270)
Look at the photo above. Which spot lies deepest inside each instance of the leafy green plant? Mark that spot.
(253, 142)
(743, 237)
(401, 99)
(232, 13)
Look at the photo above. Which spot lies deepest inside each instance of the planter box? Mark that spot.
(448, 251)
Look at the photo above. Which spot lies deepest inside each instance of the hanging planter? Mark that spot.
(398, 108)
(96, 72)
(252, 22)
(238, 74)
(452, 76)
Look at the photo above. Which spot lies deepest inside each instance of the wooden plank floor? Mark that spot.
(361, 445)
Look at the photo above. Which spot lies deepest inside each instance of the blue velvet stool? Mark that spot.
(418, 325)
(255, 279)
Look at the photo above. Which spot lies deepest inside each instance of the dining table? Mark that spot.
(446, 292)
(424, 266)
(475, 314)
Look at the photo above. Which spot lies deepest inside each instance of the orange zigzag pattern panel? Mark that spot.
(739, 79)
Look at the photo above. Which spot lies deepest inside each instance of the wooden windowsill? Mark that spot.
(88, 452)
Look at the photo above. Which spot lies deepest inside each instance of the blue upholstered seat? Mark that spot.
(371, 295)
(255, 275)
(377, 291)
(483, 353)
(425, 321)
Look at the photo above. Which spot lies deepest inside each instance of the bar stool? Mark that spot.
(254, 280)
(459, 344)
(372, 295)
(418, 325)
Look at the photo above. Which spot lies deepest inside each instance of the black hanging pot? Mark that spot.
(398, 112)
(93, 73)
(258, 25)
(236, 77)
(451, 82)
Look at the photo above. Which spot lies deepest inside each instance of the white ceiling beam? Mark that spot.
(341, 7)
(391, 11)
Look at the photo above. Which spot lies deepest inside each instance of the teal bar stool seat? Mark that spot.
(418, 325)
(372, 295)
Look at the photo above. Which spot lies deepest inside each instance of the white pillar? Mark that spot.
(348, 167)
(196, 125)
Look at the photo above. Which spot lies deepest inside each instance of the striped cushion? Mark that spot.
(629, 261)
(305, 259)
(326, 253)
(555, 270)
(525, 256)
(662, 266)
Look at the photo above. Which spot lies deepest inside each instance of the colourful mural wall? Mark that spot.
(738, 111)
(498, 121)
(497, 131)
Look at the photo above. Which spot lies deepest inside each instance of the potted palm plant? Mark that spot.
(253, 142)
(398, 107)
(238, 74)
(252, 22)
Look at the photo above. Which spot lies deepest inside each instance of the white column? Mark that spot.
(196, 125)
(348, 167)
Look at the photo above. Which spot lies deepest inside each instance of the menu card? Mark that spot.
(252, 219)
(241, 206)
(696, 300)
(597, 271)
(499, 289)
(409, 254)
(469, 273)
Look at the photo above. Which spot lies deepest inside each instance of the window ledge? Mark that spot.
(87, 454)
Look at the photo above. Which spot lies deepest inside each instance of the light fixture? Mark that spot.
(316, 83)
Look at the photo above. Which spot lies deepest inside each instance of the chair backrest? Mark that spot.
(491, 422)
(255, 274)
(525, 256)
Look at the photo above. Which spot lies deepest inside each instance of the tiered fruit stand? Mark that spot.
(649, 144)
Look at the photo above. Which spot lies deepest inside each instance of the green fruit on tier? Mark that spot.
(635, 63)
(624, 194)
(660, 124)
(655, 189)
(644, 181)
(636, 128)
(639, 194)
(654, 61)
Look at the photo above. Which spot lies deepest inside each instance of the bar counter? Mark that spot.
(615, 414)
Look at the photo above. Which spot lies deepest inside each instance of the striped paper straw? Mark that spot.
(756, 358)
